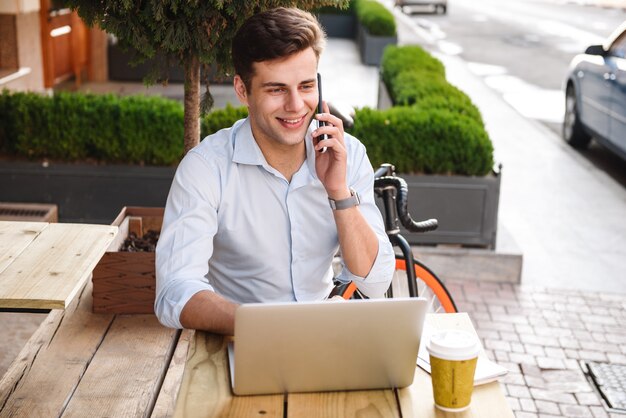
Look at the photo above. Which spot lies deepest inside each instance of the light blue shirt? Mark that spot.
(236, 226)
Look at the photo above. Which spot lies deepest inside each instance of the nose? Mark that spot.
(294, 101)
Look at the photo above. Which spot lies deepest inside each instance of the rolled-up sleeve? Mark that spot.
(361, 179)
(186, 241)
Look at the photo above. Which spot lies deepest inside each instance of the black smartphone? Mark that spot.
(319, 108)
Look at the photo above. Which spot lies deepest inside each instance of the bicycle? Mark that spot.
(421, 281)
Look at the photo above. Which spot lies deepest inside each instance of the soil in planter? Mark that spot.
(147, 243)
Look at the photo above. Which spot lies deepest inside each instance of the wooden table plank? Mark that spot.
(54, 267)
(166, 402)
(206, 392)
(417, 400)
(125, 375)
(363, 403)
(15, 237)
(59, 362)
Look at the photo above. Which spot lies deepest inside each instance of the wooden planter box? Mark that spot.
(125, 282)
(34, 212)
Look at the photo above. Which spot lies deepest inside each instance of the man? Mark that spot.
(248, 217)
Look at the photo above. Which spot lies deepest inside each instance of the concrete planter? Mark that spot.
(338, 25)
(371, 47)
(465, 206)
(83, 192)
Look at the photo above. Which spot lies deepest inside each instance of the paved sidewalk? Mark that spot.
(541, 335)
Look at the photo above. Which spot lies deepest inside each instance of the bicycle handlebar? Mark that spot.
(402, 204)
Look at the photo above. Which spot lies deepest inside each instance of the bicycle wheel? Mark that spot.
(429, 286)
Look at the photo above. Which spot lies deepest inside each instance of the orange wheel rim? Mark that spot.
(432, 283)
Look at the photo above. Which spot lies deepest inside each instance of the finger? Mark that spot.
(329, 118)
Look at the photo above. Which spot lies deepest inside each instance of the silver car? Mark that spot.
(595, 96)
(439, 6)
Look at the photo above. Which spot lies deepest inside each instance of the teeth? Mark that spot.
(292, 120)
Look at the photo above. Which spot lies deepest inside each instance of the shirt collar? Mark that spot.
(246, 150)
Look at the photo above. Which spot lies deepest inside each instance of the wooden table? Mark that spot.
(81, 364)
(205, 390)
(44, 265)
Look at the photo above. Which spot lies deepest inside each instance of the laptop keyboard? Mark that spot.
(611, 381)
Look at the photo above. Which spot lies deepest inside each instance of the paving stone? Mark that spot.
(518, 391)
(537, 340)
(517, 348)
(568, 342)
(554, 396)
(598, 412)
(589, 399)
(534, 349)
(616, 358)
(501, 356)
(576, 411)
(536, 382)
(514, 403)
(550, 363)
(528, 405)
(523, 414)
(513, 379)
(592, 355)
(558, 353)
(522, 358)
(497, 345)
(509, 336)
(547, 407)
(599, 346)
(530, 370)
(524, 329)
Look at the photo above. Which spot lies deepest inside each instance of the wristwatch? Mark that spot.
(353, 200)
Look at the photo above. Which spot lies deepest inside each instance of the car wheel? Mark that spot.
(573, 131)
(440, 9)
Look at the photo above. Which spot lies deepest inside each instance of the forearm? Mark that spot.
(209, 311)
(357, 240)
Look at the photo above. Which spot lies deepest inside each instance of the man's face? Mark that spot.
(282, 98)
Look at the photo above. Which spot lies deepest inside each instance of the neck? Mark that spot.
(287, 159)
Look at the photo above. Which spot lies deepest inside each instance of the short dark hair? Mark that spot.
(275, 33)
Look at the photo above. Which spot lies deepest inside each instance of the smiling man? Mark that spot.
(256, 212)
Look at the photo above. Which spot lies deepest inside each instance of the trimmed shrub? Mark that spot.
(430, 141)
(222, 118)
(75, 126)
(375, 18)
(398, 59)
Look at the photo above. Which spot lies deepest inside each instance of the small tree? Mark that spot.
(191, 33)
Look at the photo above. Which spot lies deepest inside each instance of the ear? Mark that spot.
(240, 90)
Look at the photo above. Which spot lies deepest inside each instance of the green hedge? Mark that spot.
(398, 59)
(75, 126)
(375, 18)
(433, 127)
(431, 141)
(222, 118)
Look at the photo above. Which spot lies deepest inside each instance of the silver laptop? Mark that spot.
(325, 346)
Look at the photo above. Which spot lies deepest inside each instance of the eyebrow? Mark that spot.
(278, 84)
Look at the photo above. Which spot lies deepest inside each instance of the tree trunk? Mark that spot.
(192, 103)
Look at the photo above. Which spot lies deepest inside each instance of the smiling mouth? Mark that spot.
(292, 122)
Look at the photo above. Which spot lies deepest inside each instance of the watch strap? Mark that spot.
(353, 200)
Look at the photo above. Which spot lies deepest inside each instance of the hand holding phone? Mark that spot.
(320, 110)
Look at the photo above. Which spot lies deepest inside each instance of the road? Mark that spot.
(522, 49)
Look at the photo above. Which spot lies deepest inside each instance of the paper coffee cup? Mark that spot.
(453, 356)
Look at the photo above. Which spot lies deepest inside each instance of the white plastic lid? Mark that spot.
(453, 345)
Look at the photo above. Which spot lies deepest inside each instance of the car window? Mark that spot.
(618, 48)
